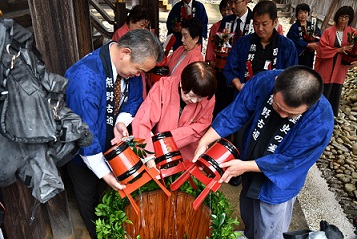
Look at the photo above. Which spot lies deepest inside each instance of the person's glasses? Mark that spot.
(344, 17)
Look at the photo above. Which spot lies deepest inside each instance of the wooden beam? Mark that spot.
(328, 15)
(58, 213)
(62, 31)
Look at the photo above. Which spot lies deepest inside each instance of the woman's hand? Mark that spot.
(312, 46)
(353, 64)
(151, 164)
(344, 49)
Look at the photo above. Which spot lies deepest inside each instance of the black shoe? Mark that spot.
(235, 181)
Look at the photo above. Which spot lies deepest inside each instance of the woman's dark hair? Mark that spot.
(223, 4)
(344, 10)
(266, 7)
(138, 13)
(194, 27)
(200, 78)
(302, 7)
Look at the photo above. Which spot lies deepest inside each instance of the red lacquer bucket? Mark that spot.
(168, 158)
(207, 169)
(124, 163)
(130, 171)
(166, 150)
(220, 152)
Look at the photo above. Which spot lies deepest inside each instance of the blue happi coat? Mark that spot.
(286, 169)
(236, 62)
(86, 96)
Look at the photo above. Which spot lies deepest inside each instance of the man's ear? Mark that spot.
(124, 51)
(275, 22)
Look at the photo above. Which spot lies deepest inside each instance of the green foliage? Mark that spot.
(112, 217)
(138, 147)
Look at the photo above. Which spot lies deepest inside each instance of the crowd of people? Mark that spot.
(269, 98)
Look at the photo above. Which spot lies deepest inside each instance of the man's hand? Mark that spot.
(233, 170)
(236, 82)
(111, 180)
(120, 131)
(237, 167)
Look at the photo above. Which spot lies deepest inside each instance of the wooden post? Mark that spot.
(20, 207)
(329, 14)
(62, 31)
(58, 213)
(120, 14)
(154, 11)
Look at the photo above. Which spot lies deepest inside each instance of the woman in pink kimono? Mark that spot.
(138, 18)
(333, 44)
(182, 105)
(190, 51)
(225, 10)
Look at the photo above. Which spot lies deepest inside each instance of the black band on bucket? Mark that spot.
(116, 151)
(231, 148)
(131, 171)
(162, 135)
(213, 163)
(167, 156)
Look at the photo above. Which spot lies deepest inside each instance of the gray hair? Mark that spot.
(299, 85)
(143, 44)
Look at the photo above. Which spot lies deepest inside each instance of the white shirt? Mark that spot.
(243, 19)
(188, 7)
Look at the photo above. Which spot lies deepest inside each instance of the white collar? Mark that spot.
(188, 4)
(114, 70)
(244, 17)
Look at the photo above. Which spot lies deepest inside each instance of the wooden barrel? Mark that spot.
(168, 217)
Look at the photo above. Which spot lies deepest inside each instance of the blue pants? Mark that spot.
(263, 220)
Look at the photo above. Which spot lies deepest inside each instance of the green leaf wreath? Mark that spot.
(111, 214)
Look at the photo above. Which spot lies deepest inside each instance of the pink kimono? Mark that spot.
(325, 56)
(160, 111)
(210, 54)
(120, 32)
(117, 35)
(192, 56)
